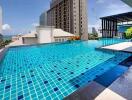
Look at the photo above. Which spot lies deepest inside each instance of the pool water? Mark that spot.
(54, 71)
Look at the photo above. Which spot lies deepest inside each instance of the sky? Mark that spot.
(21, 16)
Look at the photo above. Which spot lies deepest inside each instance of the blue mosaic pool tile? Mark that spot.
(8, 87)
(56, 89)
(29, 82)
(20, 97)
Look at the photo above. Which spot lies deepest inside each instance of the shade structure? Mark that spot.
(110, 23)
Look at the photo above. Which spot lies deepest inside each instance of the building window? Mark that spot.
(60, 40)
(63, 39)
(56, 40)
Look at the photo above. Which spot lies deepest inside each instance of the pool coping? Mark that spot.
(3, 53)
(39, 44)
(101, 48)
(112, 49)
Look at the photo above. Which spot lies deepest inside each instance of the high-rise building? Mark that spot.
(43, 19)
(69, 15)
(128, 2)
(0, 20)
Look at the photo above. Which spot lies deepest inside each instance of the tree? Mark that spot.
(1, 37)
(128, 33)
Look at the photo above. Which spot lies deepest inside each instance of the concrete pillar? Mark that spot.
(102, 28)
(116, 28)
(105, 22)
(108, 25)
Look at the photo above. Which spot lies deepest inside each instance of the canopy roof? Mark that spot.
(124, 17)
(61, 33)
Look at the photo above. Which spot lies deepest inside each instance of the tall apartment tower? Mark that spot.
(69, 15)
(0, 20)
(128, 2)
(43, 19)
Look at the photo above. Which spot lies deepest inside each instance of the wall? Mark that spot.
(83, 20)
(60, 39)
(122, 29)
(44, 35)
(128, 2)
(43, 19)
(30, 40)
(0, 20)
(69, 15)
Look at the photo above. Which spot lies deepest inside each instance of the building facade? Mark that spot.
(43, 19)
(0, 20)
(69, 15)
(128, 2)
(45, 35)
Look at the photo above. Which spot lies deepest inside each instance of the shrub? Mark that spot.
(74, 38)
(128, 33)
(93, 36)
(4, 43)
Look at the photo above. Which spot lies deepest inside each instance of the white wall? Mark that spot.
(60, 39)
(30, 40)
(44, 35)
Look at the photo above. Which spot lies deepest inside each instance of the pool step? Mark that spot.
(110, 76)
(127, 62)
(88, 92)
(2, 53)
(92, 90)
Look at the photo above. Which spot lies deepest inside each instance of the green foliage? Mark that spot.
(128, 33)
(93, 36)
(4, 43)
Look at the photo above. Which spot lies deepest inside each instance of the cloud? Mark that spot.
(97, 24)
(35, 24)
(118, 8)
(100, 1)
(102, 8)
(6, 27)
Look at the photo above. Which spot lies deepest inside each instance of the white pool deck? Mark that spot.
(124, 46)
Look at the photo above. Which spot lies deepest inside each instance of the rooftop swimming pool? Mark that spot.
(54, 71)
